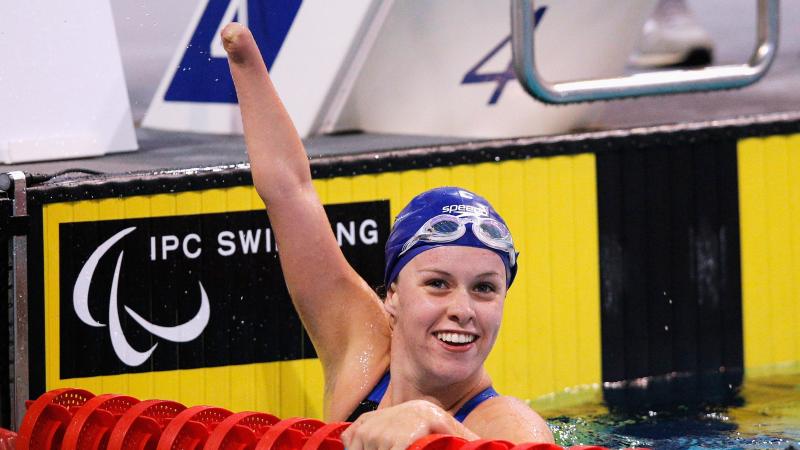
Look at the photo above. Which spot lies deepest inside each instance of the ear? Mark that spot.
(390, 304)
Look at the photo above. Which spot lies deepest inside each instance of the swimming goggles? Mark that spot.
(447, 228)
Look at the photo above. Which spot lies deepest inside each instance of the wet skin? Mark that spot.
(458, 291)
(452, 290)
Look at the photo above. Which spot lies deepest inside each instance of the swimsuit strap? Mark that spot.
(473, 403)
(376, 395)
(371, 402)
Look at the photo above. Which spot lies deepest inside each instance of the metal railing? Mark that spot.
(13, 236)
(640, 84)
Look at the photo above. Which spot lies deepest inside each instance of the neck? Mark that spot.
(406, 385)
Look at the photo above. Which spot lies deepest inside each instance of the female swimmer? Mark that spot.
(412, 364)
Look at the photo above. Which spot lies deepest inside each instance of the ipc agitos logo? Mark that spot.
(125, 352)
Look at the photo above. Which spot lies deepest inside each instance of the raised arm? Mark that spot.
(333, 301)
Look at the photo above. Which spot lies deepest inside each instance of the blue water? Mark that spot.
(762, 413)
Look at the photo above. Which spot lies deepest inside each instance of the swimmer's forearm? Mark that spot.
(278, 160)
(401, 425)
(457, 428)
(441, 422)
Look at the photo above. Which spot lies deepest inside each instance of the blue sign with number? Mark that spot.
(501, 78)
(203, 77)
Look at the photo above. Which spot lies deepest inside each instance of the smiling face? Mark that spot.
(446, 306)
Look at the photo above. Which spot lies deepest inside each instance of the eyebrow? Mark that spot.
(489, 274)
(444, 272)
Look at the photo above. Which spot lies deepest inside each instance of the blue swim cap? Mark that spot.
(452, 201)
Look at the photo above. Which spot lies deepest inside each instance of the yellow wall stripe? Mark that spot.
(769, 196)
(587, 268)
(537, 270)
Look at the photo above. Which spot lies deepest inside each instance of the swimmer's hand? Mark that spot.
(397, 427)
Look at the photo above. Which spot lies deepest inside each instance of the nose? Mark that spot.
(460, 308)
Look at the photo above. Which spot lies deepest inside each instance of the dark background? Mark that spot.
(252, 318)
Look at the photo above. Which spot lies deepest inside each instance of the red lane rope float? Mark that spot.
(44, 424)
(91, 424)
(537, 446)
(140, 427)
(74, 419)
(438, 442)
(327, 437)
(240, 431)
(289, 434)
(8, 439)
(190, 429)
(487, 444)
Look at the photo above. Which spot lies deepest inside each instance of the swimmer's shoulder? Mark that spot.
(506, 417)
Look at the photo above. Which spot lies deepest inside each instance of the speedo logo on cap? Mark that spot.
(479, 210)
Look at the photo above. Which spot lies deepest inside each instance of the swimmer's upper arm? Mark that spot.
(339, 310)
(508, 418)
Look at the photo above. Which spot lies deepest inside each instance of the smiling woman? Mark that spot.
(412, 364)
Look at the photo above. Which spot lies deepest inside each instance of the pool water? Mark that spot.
(764, 412)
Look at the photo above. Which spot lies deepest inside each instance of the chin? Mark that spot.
(451, 372)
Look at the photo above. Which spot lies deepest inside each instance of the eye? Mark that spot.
(436, 283)
(485, 288)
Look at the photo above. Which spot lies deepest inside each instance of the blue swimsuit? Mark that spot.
(374, 399)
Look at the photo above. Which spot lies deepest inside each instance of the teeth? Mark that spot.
(455, 338)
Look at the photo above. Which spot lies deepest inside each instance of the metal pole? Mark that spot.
(20, 378)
